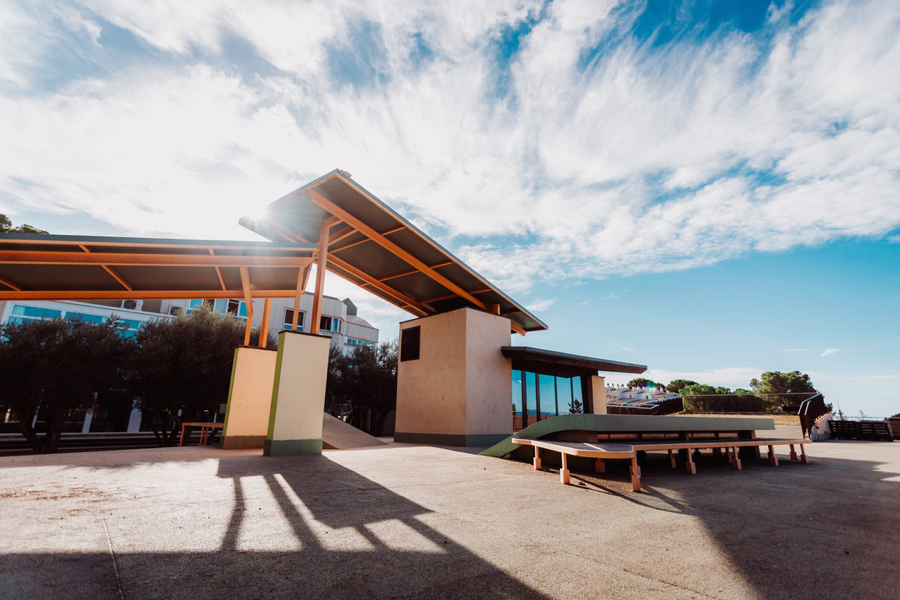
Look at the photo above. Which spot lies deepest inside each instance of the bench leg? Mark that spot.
(689, 466)
(804, 458)
(635, 475)
(736, 463)
(564, 471)
(203, 433)
(793, 453)
(181, 441)
(599, 466)
(773, 460)
(537, 458)
(671, 459)
(717, 452)
(728, 455)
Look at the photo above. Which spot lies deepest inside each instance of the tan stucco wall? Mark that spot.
(431, 391)
(488, 374)
(250, 397)
(598, 386)
(298, 397)
(461, 384)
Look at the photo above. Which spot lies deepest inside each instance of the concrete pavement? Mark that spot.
(404, 521)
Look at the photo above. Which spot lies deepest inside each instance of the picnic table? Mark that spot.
(205, 429)
(611, 451)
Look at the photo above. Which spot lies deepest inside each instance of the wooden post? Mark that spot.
(320, 278)
(537, 458)
(635, 475)
(248, 300)
(301, 285)
(564, 470)
(773, 460)
(264, 325)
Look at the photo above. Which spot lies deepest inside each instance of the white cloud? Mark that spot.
(615, 294)
(647, 161)
(830, 351)
(627, 349)
(540, 304)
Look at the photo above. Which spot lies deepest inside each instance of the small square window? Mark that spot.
(409, 343)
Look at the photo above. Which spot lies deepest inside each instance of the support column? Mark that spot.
(321, 263)
(248, 300)
(264, 325)
(249, 398)
(298, 395)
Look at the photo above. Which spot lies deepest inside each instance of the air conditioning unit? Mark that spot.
(174, 310)
(133, 304)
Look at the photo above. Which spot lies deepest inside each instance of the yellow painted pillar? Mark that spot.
(298, 395)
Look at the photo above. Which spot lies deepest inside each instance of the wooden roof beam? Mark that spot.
(111, 272)
(385, 243)
(398, 275)
(401, 301)
(165, 260)
(218, 272)
(10, 284)
(138, 295)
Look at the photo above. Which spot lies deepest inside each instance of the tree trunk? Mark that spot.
(37, 444)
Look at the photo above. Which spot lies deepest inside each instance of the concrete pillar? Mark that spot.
(134, 421)
(598, 386)
(298, 395)
(249, 399)
(88, 417)
(454, 386)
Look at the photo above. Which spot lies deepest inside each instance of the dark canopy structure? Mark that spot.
(374, 247)
(63, 267)
(538, 360)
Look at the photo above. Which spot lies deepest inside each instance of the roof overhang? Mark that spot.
(369, 244)
(566, 365)
(64, 267)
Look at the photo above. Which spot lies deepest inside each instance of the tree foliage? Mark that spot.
(181, 368)
(6, 227)
(364, 379)
(638, 382)
(676, 385)
(785, 389)
(57, 366)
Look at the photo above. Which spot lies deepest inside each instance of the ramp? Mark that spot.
(631, 424)
(338, 435)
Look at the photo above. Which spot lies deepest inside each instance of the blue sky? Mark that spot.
(708, 188)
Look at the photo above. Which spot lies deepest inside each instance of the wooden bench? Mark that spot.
(204, 430)
(602, 452)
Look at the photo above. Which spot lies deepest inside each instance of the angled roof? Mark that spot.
(65, 267)
(377, 249)
(567, 365)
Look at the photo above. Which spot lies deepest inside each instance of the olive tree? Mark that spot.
(52, 369)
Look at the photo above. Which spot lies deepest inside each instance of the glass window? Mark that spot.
(530, 399)
(76, 316)
(576, 392)
(35, 312)
(289, 319)
(517, 400)
(221, 306)
(410, 339)
(548, 395)
(563, 394)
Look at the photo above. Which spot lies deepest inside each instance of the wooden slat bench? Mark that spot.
(602, 451)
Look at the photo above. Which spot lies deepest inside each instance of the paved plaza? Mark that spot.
(403, 521)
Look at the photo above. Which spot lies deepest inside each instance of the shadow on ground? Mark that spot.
(369, 554)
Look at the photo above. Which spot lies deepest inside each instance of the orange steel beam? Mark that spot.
(161, 260)
(398, 275)
(264, 326)
(340, 235)
(138, 294)
(10, 284)
(111, 272)
(248, 299)
(265, 246)
(407, 304)
(218, 272)
(385, 243)
(321, 265)
(374, 283)
(302, 274)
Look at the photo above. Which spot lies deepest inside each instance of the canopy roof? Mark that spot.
(538, 360)
(64, 267)
(374, 247)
